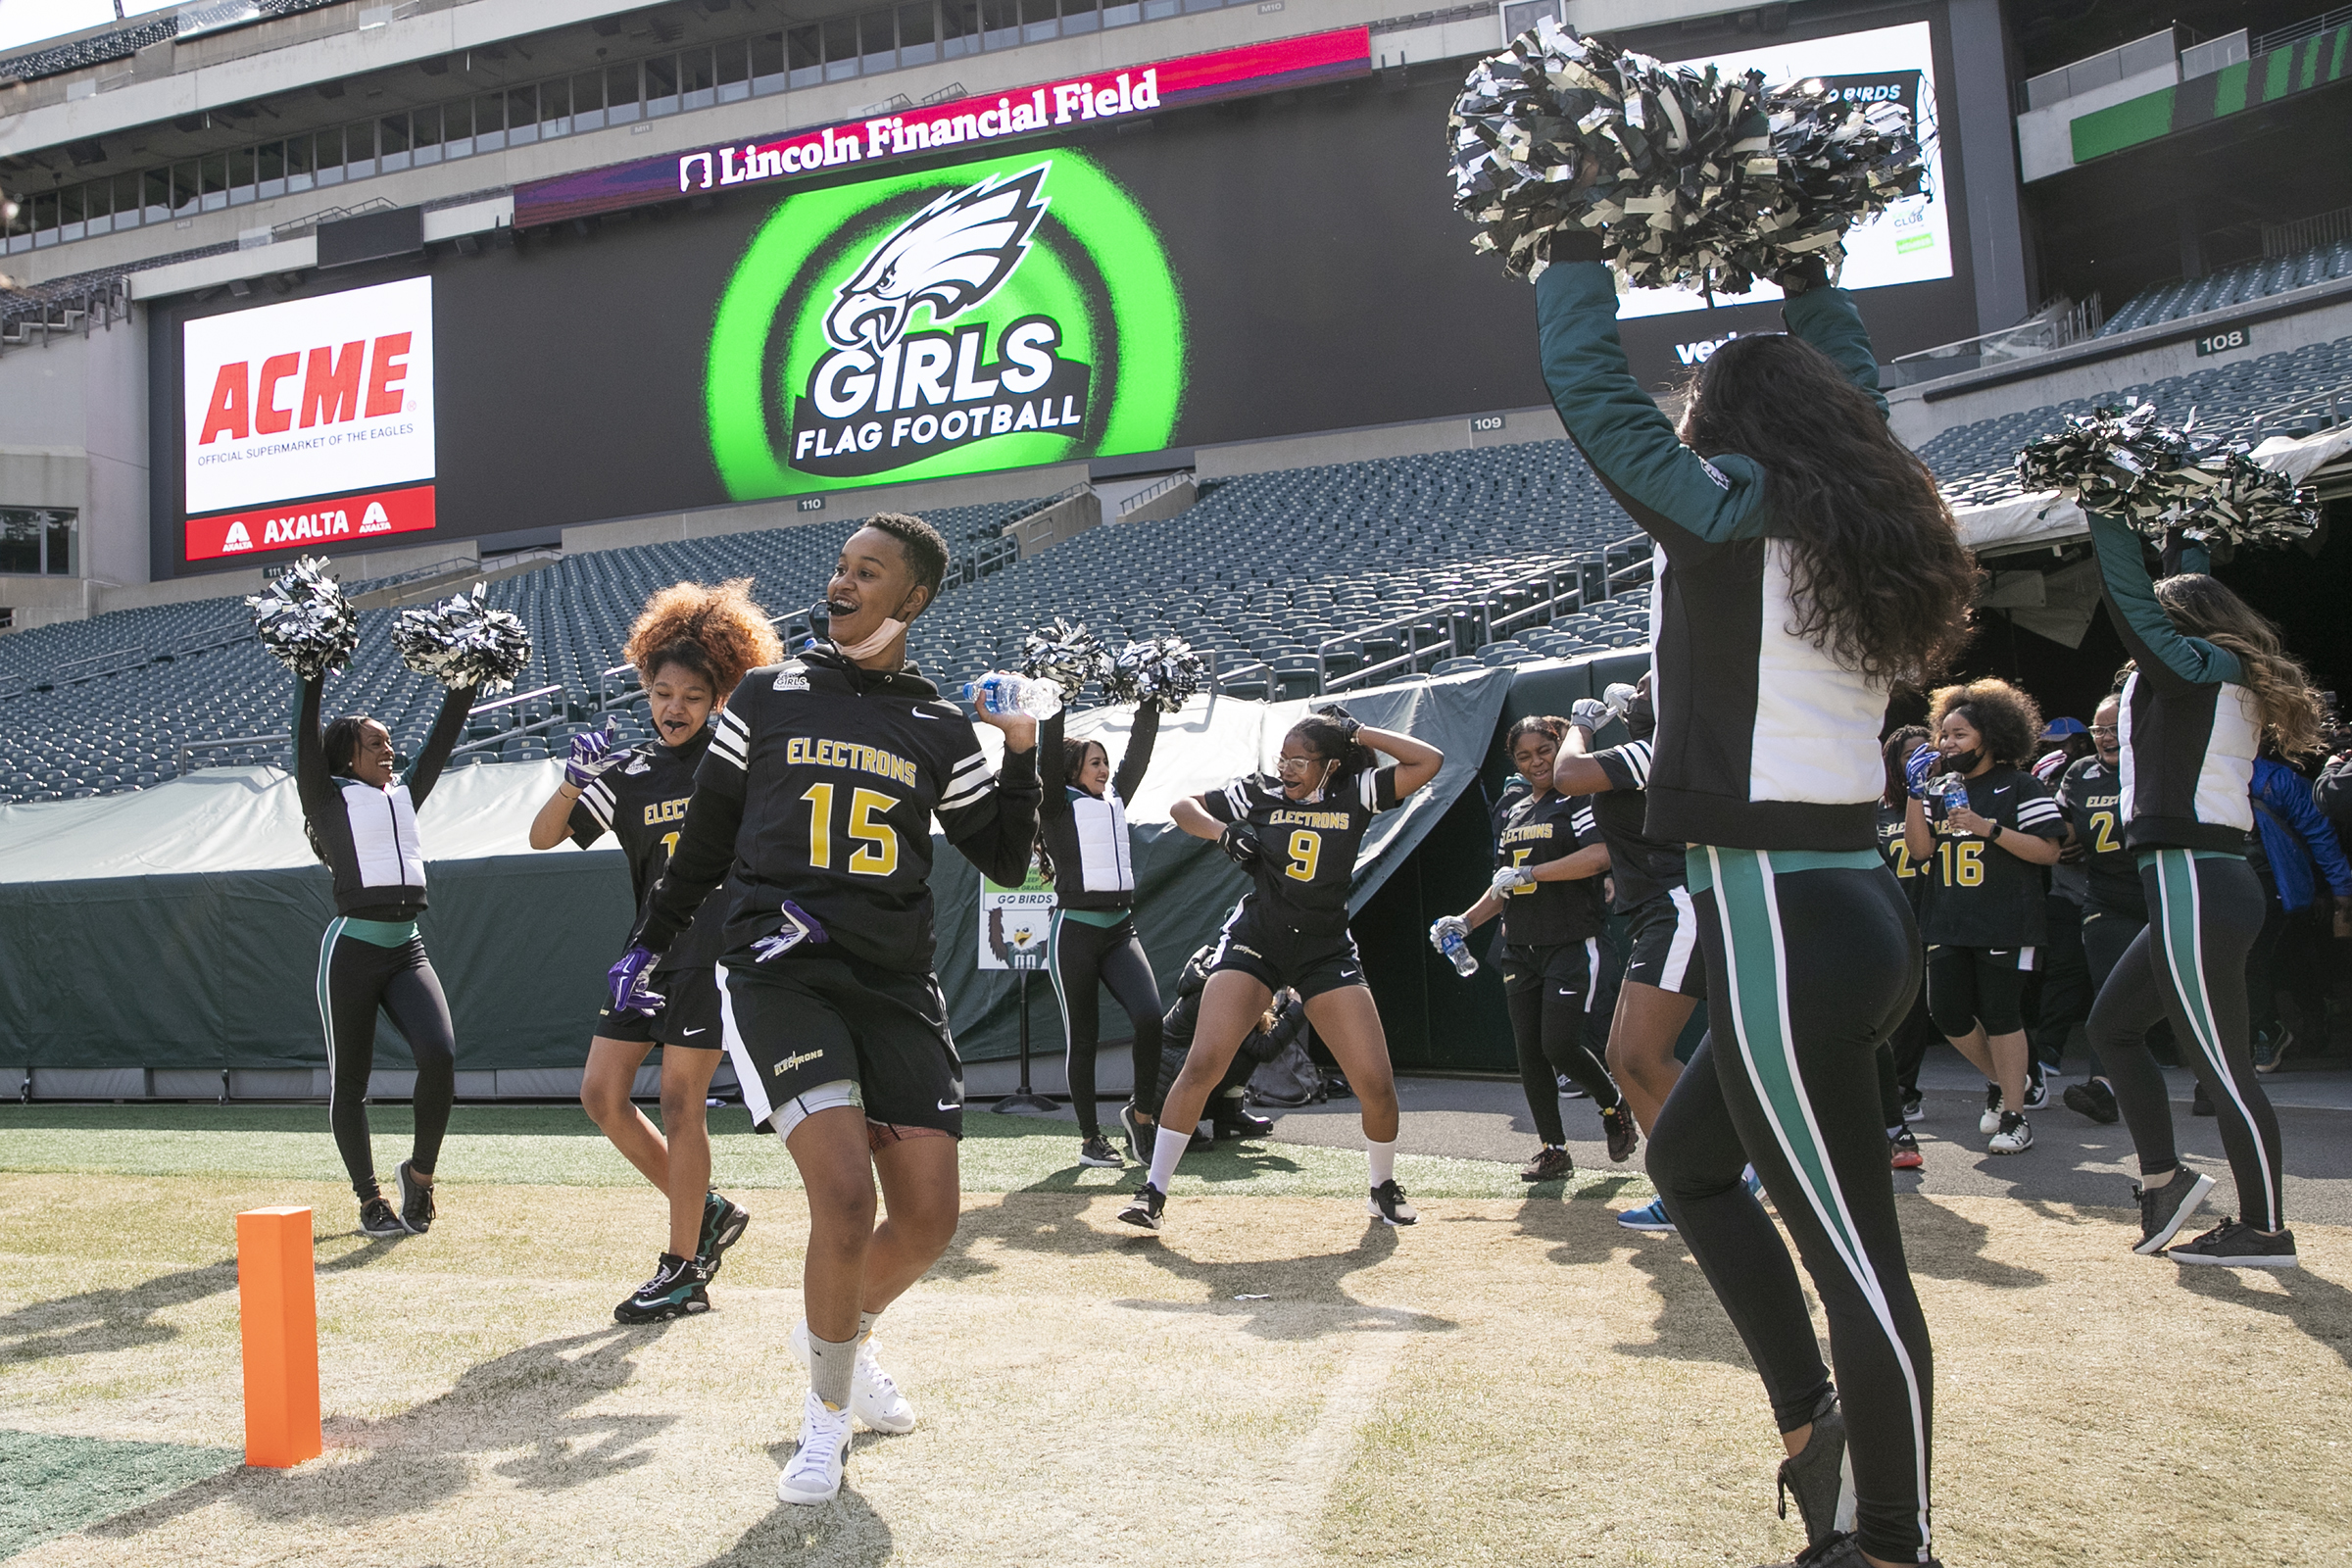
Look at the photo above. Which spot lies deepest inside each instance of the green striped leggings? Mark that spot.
(1812, 961)
(2189, 965)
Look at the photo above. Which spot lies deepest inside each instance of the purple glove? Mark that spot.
(591, 754)
(799, 926)
(1916, 769)
(625, 985)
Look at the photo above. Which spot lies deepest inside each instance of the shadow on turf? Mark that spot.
(1047, 1219)
(841, 1533)
(111, 1319)
(2320, 1309)
(417, 1459)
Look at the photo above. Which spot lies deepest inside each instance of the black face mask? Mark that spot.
(1964, 763)
(1641, 717)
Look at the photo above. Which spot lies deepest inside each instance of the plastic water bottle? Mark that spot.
(1001, 694)
(1457, 948)
(1955, 795)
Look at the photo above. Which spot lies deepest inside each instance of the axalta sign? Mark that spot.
(964, 124)
(309, 421)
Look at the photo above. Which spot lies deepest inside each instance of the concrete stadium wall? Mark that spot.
(74, 433)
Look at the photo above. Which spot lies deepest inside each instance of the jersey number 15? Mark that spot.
(877, 851)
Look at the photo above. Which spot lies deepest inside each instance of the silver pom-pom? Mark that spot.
(464, 642)
(305, 622)
(1162, 670)
(2125, 463)
(1694, 179)
(1070, 656)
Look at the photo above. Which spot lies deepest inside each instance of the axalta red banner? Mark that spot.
(963, 123)
(311, 525)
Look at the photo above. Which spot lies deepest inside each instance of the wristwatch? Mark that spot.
(1994, 837)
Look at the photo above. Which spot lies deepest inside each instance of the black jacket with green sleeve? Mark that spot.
(2189, 725)
(1764, 742)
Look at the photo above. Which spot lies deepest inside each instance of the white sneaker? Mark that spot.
(874, 1397)
(814, 1473)
(1991, 1121)
(2014, 1138)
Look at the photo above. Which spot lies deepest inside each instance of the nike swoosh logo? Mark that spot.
(919, 713)
(950, 1105)
(690, 1033)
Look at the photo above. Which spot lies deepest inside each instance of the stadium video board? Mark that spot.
(1250, 268)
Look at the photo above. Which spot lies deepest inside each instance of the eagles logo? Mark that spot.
(951, 255)
(884, 394)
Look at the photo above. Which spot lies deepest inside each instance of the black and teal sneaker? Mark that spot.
(676, 1289)
(723, 1225)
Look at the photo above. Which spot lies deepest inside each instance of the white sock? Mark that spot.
(865, 1324)
(1383, 1159)
(1167, 1148)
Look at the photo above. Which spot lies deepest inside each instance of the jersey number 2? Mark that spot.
(1306, 849)
(877, 851)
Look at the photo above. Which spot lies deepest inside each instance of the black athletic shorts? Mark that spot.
(1569, 968)
(1663, 936)
(688, 1016)
(799, 1023)
(1277, 956)
(1970, 985)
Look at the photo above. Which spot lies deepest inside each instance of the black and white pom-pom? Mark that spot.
(305, 622)
(1160, 670)
(1695, 178)
(464, 642)
(1068, 656)
(2126, 463)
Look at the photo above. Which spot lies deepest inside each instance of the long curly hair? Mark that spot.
(2202, 606)
(718, 633)
(2009, 720)
(1883, 582)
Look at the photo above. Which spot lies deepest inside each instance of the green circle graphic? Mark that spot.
(1095, 264)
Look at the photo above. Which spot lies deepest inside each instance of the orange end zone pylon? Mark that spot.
(278, 1303)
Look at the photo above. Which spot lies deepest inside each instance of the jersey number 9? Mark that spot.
(1963, 863)
(877, 851)
(1306, 849)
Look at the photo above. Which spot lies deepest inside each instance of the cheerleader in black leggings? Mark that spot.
(2211, 682)
(1550, 858)
(1084, 850)
(1806, 563)
(362, 821)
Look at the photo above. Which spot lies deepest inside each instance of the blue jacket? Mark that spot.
(2294, 835)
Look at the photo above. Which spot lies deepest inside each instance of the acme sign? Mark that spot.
(964, 122)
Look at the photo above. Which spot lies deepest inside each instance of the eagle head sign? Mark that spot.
(951, 322)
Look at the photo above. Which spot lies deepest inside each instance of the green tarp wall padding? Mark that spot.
(180, 926)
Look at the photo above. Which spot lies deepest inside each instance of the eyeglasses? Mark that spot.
(2105, 731)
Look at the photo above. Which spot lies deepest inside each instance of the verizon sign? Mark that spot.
(329, 397)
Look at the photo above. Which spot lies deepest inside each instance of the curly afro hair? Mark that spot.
(718, 633)
(2007, 718)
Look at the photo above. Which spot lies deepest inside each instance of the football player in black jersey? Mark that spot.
(1665, 974)
(2115, 910)
(1901, 1053)
(1983, 857)
(1550, 858)
(1296, 832)
(691, 645)
(819, 791)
